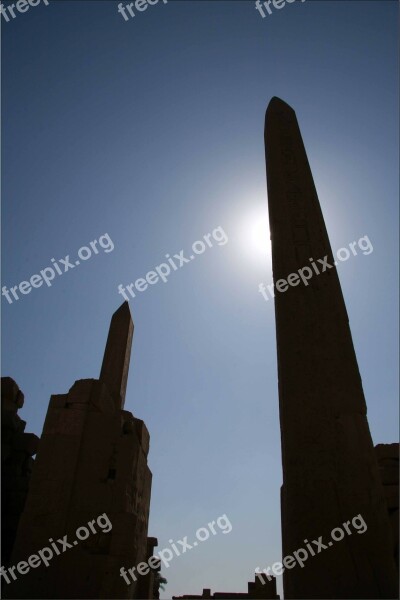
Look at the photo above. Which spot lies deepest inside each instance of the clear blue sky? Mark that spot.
(151, 130)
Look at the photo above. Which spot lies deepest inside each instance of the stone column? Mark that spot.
(115, 367)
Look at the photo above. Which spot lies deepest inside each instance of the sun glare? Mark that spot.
(256, 236)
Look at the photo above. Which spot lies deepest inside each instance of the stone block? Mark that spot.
(26, 442)
(101, 398)
(389, 475)
(143, 435)
(11, 421)
(11, 396)
(387, 451)
(392, 496)
(58, 401)
(64, 421)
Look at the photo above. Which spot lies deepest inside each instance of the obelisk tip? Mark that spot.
(278, 104)
(115, 367)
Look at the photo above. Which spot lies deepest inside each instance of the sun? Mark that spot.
(256, 236)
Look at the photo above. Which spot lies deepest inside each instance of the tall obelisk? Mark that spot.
(330, 472)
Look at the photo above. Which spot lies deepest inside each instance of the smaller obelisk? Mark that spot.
(117, 353)
(91, 461)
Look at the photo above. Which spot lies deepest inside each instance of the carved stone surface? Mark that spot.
(330, 472)
(115, 367)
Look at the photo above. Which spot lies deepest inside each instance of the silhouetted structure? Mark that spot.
(330, 471)
(148, 585)
(17, 451)
(257, 589)
(92, 456)
(388, 462)
(92, 460)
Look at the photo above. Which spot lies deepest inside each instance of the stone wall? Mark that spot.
(92, 460)
(388, 462)
(261, 588)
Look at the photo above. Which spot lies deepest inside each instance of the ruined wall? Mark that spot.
(17, 451)
(92, 460)
(262, 587)
(89, 495)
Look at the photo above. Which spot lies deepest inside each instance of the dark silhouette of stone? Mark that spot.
(17, 450)
(92, 461)
(330, 471)
(261, 588)
(146, 583)
(115, 367)
(388, 461)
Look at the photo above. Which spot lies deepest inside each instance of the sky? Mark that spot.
(146, 135)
